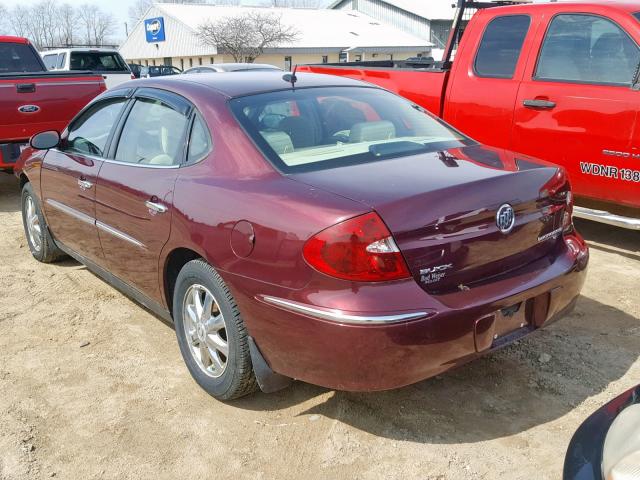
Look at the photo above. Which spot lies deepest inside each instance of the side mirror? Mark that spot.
(45, 140)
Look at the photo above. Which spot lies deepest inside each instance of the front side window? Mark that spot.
(152, 135)
(317, 128)
(89, 133)
(98, 62)
(587, 49)
(50, 61)
(501, 45)
(18, 57)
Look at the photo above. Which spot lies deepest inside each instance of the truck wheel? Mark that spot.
(41, 245)
(211, 334)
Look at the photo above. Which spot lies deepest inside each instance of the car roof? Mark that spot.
(231, 67)
(630, 6)
(239, 84)
(12, 39)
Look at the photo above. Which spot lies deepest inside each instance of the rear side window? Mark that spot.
(98, 62)
(199, 141)
(637, 15)
(18, 57)
(587, 49)
(89, 133)
(501, 45)
(50, 61)
(61, 58)
(152, 135)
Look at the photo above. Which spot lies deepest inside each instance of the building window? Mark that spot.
(287, 63)
(190, 62)
(146, 63)
(182, 64)
(200, 61)
(210, 59)
(358, 58)
(154, 62)
(325, 58)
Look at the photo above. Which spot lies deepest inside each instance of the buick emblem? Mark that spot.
(28, 108)
(505, 218)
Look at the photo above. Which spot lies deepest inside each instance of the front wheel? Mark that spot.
(211, 334)
(41, 245)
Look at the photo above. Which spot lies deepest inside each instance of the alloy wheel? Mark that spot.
(33, 224)
(205, 330)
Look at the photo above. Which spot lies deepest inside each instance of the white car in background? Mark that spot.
(105, 61)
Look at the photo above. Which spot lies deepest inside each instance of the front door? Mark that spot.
(134, 192)
(69, 175)
(576, 106)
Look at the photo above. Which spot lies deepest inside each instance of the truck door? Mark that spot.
(576, 106)
(486, 75)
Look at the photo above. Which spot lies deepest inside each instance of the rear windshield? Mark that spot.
(317, 128)
(98, 62)
(18, 57)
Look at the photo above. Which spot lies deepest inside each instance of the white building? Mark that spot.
(427, 19)
(168, 35)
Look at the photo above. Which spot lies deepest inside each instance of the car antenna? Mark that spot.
(291, 77)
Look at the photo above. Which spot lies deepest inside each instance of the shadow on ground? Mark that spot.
(9, 193)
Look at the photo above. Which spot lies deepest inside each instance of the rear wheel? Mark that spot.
(211, 334)
(41, 245)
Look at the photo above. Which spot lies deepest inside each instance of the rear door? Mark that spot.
(69, 175)
(134, 195)
(484, 83)
(576, 106)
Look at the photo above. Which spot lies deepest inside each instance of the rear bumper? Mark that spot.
(377, 349)
(609, 218)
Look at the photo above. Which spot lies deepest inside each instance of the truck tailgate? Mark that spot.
(424, 87)
(30, 103)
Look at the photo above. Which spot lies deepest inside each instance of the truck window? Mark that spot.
(18, 57)
(583, 48)
(61, 58)
(50, 61)
(501, 45)
(98, 62)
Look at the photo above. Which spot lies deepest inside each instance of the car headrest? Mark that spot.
(372, 131)
(162, 159)
(279, 141)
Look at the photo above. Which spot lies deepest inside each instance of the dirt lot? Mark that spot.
(124, 406)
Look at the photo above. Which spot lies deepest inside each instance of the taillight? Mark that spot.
(558, 189)
(359, 249)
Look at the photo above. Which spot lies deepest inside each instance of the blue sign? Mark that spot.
(154, 29)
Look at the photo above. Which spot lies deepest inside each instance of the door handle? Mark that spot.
(539, 104)
(84, 184)
(156, 206)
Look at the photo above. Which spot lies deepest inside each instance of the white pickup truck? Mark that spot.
(104, 61)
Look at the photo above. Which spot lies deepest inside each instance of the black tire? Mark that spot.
(47, 251)
(237, 379)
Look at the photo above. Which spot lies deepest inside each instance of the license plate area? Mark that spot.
(510, 319)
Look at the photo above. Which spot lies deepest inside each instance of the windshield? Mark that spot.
(317, 128)
(18, 57)
(98, 62)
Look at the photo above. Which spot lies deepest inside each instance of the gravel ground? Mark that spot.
(93, 386)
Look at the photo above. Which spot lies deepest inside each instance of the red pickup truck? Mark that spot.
(33, 100)
(556, 81)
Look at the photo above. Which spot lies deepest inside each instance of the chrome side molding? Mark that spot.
(603, 216)
(339, 316)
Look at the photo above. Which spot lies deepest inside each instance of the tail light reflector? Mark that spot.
(359, 249)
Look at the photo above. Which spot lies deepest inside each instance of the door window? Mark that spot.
(501, 45)
(61, 58)
(152, 135)
(587, 49)
(89, 133)
(50, 61)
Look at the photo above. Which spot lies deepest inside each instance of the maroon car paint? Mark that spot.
(236, 183)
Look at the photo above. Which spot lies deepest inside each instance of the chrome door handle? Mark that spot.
(84, 184)
(155, 206)
(539, 104)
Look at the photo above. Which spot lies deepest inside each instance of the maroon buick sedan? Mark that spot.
(313, 228)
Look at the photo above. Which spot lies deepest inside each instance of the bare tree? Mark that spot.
(67, 19)
(297, 3)
(4, 24)
(246, 36)
(138, 9)
(96, 24)
(20, 20)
